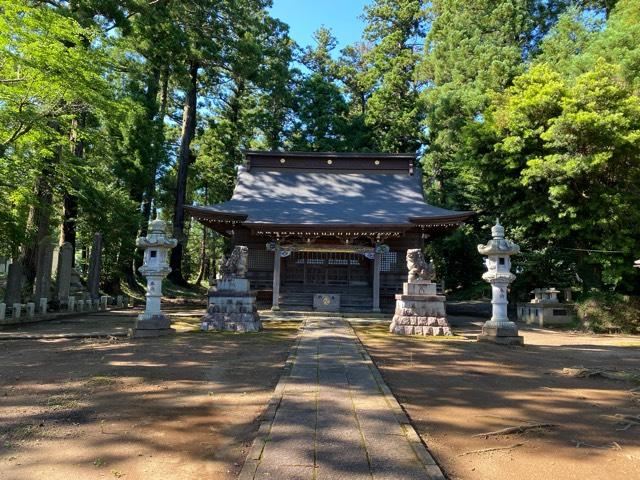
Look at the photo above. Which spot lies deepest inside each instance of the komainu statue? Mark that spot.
(418, 267)
(236, 265)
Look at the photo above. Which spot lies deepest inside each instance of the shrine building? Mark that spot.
(335, 224)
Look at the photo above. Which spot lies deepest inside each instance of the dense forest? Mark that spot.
(113, 111)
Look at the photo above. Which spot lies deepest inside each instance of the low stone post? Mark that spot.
(3, 311)
(119, 301)
(16, 311)
(31, 309)
(42, 307)
(498, 262)
(152, 322)
(104, 301)
(71, 305)
(80, 305)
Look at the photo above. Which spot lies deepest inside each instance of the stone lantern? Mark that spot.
(498, 262)
(152, 322)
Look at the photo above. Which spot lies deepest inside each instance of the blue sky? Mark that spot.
(305, 16)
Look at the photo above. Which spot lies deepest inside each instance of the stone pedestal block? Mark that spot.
(232, 307)
(16, 311)
(30, 310)
(420, 311)
(3, 311)
(501, 332)
(154, 326)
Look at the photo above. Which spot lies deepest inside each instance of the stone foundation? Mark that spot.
(154, 326)
(420, 311)
(232, 307)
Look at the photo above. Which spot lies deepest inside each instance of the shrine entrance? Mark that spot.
(327, 269)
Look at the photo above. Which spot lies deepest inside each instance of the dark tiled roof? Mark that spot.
(273, 196)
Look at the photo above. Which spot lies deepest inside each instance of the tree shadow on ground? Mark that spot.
(456, 388)
(192, 401)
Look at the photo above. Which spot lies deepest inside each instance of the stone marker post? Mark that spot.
(3, 311)
(152, 322)
(95, 263)
(13, 292)
(42, 284)
(63, 278)
(498, 262)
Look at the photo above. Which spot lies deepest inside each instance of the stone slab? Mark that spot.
(418, 298)
(326, 302)
(157, 322)
(419, 288)
(138, 333)
(501, 340)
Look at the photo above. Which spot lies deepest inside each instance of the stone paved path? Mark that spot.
(332, 417)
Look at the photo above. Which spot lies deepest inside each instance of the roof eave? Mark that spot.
(205, 213)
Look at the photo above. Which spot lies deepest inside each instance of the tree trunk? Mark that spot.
(184, 158)
(204, 261)
(155, 117)
(203, 257)
(70, 200)
(38, 221)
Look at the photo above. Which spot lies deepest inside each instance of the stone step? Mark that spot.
(326, 289)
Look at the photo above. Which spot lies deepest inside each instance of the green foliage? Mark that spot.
(456, 259)
(606, 311)
(394, 111)
(549, 145)
(526, 110)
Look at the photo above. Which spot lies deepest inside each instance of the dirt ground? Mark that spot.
(179, 407)
(456, 389)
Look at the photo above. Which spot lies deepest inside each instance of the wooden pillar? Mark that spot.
(275, 304)
(376, 281)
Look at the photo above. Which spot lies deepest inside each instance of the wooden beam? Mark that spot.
(377, 261)
(275, 304)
